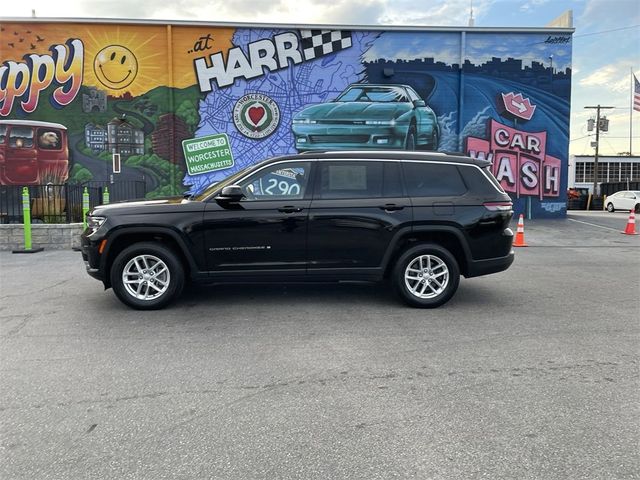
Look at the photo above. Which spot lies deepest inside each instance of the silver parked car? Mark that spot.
(623, 200)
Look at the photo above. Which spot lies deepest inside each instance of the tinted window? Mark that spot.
(391, 183)
(350, 180)
(360, 180)
(279, 181)
(412, 94)
(373, 94)
(483, 184)
(3, 133)
(432, 180)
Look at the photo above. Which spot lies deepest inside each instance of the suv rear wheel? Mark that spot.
(426, 276)
(147, 276)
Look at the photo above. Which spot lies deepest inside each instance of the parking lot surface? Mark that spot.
(532, 373)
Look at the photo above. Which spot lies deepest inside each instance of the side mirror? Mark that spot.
(419, 103)
(230, 193)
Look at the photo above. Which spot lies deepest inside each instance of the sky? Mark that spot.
(606, 43)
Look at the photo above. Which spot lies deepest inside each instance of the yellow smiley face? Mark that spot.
(115, 67)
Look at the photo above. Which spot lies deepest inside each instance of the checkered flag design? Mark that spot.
(316, 43)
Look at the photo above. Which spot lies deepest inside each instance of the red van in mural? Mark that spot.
(33, 153)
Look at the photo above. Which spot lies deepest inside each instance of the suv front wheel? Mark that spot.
(147, 276)
(426, 276)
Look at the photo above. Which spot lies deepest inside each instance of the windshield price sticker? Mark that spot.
(207, 154)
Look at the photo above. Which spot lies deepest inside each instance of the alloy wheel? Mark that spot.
(426, 276)
(146, 277)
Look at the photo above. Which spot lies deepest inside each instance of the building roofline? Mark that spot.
(189, 23)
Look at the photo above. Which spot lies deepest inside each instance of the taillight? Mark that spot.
(498, 206)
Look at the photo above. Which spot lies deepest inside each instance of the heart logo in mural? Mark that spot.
(256, 114)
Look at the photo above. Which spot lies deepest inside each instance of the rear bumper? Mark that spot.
(477, 268)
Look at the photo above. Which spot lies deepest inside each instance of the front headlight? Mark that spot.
(94, 223)
(380, 122)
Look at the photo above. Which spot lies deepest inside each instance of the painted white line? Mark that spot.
(594, 225)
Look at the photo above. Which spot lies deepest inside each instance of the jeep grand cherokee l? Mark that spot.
(419, 220)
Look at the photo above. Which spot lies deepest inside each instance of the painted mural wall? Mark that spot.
(182, 106)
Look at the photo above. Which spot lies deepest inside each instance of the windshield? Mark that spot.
(373, 94)
(222, 183)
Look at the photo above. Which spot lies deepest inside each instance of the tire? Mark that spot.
(410, 142)
(432, 145)
(441, 268)
(156, 276)
(610, 207)
(637, 208)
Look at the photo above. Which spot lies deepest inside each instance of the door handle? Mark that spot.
(289, 209)
(391, 207)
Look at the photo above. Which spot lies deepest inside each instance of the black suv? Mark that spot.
(417, 219)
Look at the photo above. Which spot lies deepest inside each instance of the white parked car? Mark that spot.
(623, 200)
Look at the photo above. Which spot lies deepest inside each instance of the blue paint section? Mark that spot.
(464, 94)
(291, 88)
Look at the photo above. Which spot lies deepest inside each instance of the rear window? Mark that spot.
(494, 180)
(433, 180)
(479, 182)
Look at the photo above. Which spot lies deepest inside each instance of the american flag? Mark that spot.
(636, 94)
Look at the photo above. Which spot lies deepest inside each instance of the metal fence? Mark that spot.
(62, 203)
(613, 187)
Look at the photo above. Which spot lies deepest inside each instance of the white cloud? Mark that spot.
(532, 5)
(357, 12)
(614, 77)
(601, 15)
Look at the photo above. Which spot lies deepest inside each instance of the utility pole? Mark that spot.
(595, 159)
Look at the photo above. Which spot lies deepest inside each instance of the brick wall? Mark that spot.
(49, 236)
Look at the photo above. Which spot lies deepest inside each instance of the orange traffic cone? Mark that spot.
(631, 224)
(520, 233)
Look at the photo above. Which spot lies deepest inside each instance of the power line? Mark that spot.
(579, 138)
(591, 34)
(606, 31)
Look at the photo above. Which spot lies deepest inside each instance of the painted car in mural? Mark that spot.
(33, 152)
(368, 116)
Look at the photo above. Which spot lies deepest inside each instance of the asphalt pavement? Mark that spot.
(528, 374)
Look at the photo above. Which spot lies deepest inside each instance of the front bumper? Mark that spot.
(91, 257)
(322, 137)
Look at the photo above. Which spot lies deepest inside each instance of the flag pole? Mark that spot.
(631, 114)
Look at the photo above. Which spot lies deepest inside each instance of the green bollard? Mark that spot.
(26, 215)
(105, 196)
(85, 207)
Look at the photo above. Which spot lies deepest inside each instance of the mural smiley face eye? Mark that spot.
(115, 67)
